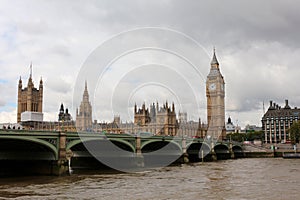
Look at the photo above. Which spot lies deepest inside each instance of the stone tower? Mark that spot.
(215, 93)
(141, 116)
(159, 120)
(29, 98)
(84, 116)
(166, 119)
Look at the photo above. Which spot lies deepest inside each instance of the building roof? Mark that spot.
(281, 112)
(275, 110)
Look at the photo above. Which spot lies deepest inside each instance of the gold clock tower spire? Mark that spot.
(215, 93)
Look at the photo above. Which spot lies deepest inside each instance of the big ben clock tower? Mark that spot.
(215, 93)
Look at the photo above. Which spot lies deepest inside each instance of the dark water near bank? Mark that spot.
(263, 178)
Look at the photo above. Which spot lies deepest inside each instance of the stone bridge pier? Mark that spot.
(61, 165)
(138, 152)
(185, 156)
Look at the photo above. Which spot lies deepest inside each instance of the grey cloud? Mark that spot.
(59, 85)
(257, 43)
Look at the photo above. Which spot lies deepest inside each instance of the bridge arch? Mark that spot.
(100, 153)
(160, 144)
(222, 151)
(160, 153)
(113, 140)
(238, 151)
(194, 151)
(42, 143)
(237, 147)
(198, 143)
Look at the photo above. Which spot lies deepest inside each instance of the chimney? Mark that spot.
(286, 102)
(271, 104)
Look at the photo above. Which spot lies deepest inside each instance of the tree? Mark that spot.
(250, 136)
(238, 137)
(255, 135)
(295, 132)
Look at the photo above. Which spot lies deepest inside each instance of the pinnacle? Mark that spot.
(214, 60)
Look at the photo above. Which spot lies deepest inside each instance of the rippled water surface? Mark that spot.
(272, 178)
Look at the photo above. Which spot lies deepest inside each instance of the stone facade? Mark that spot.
(215, 93)
(154, 120)
(182, 116)
(30, 98)
(84, 115)
(159, 120)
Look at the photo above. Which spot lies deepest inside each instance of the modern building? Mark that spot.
(30, 100)
(215, 93)
(84, 114)
(277, 121)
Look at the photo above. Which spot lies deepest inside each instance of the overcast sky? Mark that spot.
(108, 44)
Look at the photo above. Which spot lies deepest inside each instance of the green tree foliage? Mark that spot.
(250, 136)
(238, 137)
(295, 132)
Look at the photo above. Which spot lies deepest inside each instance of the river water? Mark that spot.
(262, 178)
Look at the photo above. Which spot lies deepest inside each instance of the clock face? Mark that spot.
(212, 86)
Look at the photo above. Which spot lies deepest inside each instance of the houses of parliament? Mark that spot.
(155, 119)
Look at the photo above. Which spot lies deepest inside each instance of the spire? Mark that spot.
(20, 83)
(199, 124)
(61, 110)
(30, 69)
(85, 93)
(30, 83)
(214, 60)
(144, 106)
(229, 120)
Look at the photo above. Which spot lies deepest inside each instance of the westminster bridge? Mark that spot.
(46, 152)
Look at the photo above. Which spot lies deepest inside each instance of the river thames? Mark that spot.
(261, 178)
